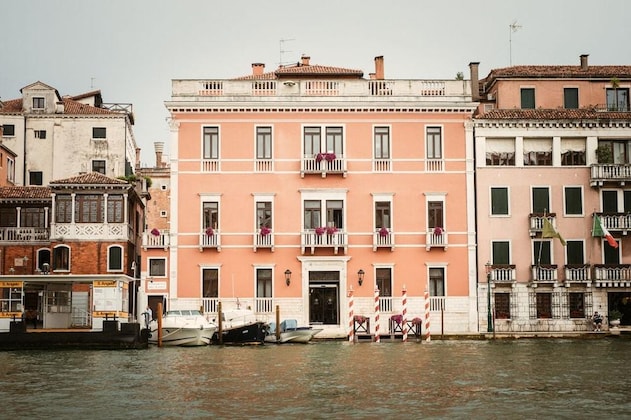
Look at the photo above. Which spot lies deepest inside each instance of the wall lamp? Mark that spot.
(288, 276)
(360, 276)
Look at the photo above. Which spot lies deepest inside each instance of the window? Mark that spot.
(435, 214)
(382, 142)
(334, 140)
(335, 213)
(89, 208)
(263, 142)
(157, 267)
(437, 281)
(43, 260)
(540, 200)
(500, 152)
(577, 304)
(35, 178)
(264, 284)
(537, 152)
(210, 283)
(382, 214)
(312, 141)
(211, 214)
(39, 103)
(573, 200)
(609, 201)
(40, 134)
(544, 305)
(313, 214)
(115, 207)
(61, 258)
(32, 217)
(8, 130)
(575, 254)
(8, 217)
(98, 133)
(264, 214)
(10, 299)
(527, 98)
(434, 143)
(541, 253)
(570, 98)
(211, 143)
(617, 99)
(115, 258)
(10, 169)
(500, 253)
(573, 152)
(383, 278)
(499, 201)
(502, 305)
(63, 208)
(98, 166)
(163, 213)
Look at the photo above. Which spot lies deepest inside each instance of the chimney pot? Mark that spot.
(258, 69)
(584, 63)
(379, 68)
(305, 60)
(475, 80)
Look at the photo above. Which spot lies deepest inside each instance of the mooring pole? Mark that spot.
(277, 322)
(219, 324)
(159, 320)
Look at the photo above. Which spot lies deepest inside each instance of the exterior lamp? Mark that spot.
(360, 276)
(489, 320)
(288, 276)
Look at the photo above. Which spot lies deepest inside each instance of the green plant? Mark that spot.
(604, 153)
(614, 314)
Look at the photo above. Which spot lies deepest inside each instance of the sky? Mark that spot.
(132, 49)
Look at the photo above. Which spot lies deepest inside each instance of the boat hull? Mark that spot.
(253, 333)
(298, 335)
(183, 336)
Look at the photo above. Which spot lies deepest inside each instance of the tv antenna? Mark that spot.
(283, 50)
(513, 27)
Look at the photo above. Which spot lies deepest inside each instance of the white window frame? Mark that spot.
(166, 268)
(379, 197)
(37, 99)
(323, 140)
(435, 196)
(323, 196)
(203, 143)
(508, 195)
(442, 142)
(209, 198)
(263, 198)
(109, 266)
(582, 214)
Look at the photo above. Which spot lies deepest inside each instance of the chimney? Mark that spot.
(584, 61)
(159, 148)
(475, 80)
(304, 60)
(258, 69)
(379, 72)
(137, 157)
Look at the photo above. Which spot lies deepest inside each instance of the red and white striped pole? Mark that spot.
(428, 335)
(404, 311)
(351, 317)
(377, 338)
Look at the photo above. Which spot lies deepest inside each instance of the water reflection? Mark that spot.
(441, 379)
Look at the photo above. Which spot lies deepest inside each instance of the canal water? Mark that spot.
(539, 378)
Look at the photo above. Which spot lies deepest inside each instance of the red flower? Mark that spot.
(209, 231)
(438, 230)
(383, 232)
(320, 230)
(155, 232)
(329, 157)
(331, 230)
(265, 231)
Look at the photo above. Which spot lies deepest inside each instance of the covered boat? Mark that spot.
(183, 328)
(290, 332)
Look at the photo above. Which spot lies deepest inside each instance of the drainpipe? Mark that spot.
(24, 157)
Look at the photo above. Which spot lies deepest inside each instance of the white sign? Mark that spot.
(156, 285)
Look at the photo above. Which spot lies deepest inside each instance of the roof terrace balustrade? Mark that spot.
(609, 174)
(24, 234)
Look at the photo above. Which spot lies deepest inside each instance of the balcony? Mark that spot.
(544, 273)
(263, 240)
(436, 238)
(383, 238)
(156, 239)
(210, 238)
(312, 239)
(612, 275)
(503, 273)
(24, 234)
(616, 222)
(324, 164)
(92, 231)
(610, 173)
(578, 273)
(536, 222)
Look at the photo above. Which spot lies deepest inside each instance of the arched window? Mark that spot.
(43, 260)
(61, 258)
(115, 258)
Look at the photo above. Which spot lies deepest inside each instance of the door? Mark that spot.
(324, 304)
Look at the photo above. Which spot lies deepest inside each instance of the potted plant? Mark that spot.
(265, 231)
(604, 153)
(614, 317)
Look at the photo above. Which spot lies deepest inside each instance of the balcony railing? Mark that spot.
(321, 164)
(310, 239)
(383, 239)
(616, 222)
(503, 273)
(93, 231)
(612, 275)
(156, 239)
(581, 273)
(210, 240)
(436, 239)
(609, 172)
(263, 241)
(544, 273)
(264, 305)
(385, 303)
(24, 234)
(536, 222)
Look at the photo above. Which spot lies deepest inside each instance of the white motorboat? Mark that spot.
(183, 328)
(290, 332)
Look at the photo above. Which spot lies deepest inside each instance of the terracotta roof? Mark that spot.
(30, 192)
(11, 106)
(71, 107)
(305, 70)
(558, 72)
(92, 178)
(553, 114)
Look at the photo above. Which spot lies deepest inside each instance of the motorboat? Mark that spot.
(290, 332)
(241, 326)
(184, 327)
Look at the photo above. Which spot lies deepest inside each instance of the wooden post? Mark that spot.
(277, 322)
(159, 320)
(219, 324)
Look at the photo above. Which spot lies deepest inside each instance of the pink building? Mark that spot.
(553, 149)
(297, 187)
